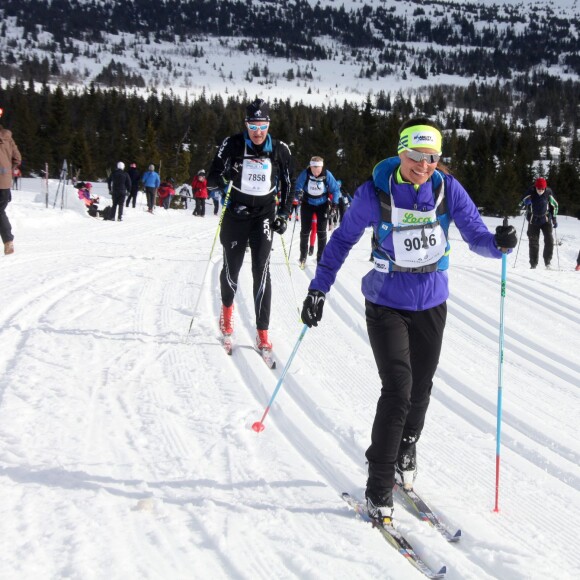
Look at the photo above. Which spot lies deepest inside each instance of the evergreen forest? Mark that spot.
(493, 143)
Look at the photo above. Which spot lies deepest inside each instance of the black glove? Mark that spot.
(279, 224)
(554, 223)
(506, 237)
(312, 308)
(231, 172)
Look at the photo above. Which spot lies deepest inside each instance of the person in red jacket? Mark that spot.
(166, 191)
(199, 188)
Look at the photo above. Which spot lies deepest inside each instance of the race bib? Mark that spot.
(418, 238)
(316, 187)
(256, 176)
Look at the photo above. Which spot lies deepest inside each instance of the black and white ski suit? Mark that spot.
(258, 174)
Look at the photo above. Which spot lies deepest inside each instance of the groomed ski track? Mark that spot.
(160, 457)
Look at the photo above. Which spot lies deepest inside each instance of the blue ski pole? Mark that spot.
(500, 374)
(258, 426)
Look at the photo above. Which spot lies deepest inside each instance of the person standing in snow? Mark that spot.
(135, 177)
(151, 181)
(10, 159)
(258, 166)
(119, 184)
(16, 175)
(199, 188)
(409, 202)
(319, 191)
(541, 211)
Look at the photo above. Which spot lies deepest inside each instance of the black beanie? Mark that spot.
(258, 111)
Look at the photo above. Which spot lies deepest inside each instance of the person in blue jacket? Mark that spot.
(317, 189)
(151, 182)
(409, 202)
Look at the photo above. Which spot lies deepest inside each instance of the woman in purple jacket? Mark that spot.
(409, 202)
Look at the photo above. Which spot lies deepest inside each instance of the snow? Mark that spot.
(125, 444)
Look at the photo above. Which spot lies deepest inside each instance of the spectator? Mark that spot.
(135, 176)
(166, 192)
(10, 159)
(184, 194)
(119, 184)
(85, 195)
(199, 188)
(151, 181)
(16, 175)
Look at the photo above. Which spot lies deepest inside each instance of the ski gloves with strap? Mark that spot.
(506, 237)
(312, 308)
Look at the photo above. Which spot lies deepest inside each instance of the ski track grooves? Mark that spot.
(299, 418)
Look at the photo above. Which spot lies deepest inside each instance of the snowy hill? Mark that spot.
(126, 449)
(316, 52)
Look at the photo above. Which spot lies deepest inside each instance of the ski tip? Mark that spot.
(441, 573)
(456, 536)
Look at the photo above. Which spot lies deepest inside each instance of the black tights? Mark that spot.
(406, 346)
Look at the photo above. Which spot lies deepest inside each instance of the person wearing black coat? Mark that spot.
(119, 184)
(258, 167)
(541, 212)
(134, 174)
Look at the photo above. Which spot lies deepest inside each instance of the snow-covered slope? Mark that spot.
(200, 63)
(126, 449)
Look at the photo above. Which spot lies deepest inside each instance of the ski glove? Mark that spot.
(506, 237)
(554, 223)
(312, 308)
(279, 224)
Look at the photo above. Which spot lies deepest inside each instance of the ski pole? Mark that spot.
(557, 252)
(292, 237)
(290, 274)
(228, 190)
(258, 426)
(500, 373)
(520, 240)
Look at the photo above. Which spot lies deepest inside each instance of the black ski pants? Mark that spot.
(5, 227)
(132, 197)
(199, 207)
(406, 346)
(306, 213)
(534, 239)
(150, 192)
(240, 227)
(118, 202)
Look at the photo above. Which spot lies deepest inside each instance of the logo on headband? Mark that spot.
(423, 138)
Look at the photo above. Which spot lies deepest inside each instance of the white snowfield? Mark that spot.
(125, 446)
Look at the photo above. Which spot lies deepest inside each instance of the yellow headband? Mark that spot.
(420, 136)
